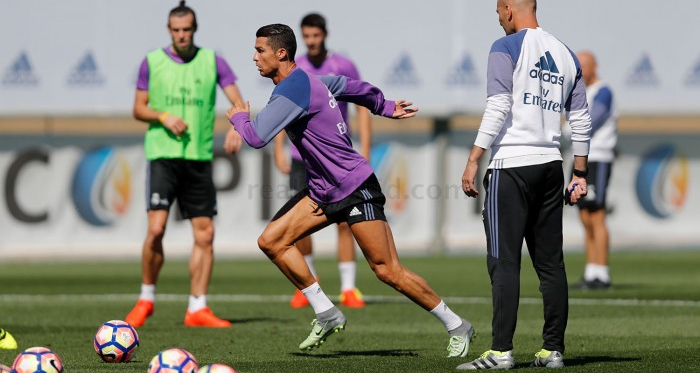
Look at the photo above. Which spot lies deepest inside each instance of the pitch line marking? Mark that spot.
(260, 298)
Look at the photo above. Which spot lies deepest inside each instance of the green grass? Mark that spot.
(389, 335)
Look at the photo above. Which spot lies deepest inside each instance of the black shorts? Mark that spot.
(188, 182)
(597, 181)
(297, 177)
(366, 203)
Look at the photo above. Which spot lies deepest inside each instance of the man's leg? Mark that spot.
(598, 222)
(201, 264)
(297, 183)
(152, 252)
(305, 247)
(601, 237)
(596, 274)
(301, 217)
(152, 259)
(509, 195)
(544, 242)
(377, 244)
(350, 296)
(505, 218)
(202, 258)
(588, 238)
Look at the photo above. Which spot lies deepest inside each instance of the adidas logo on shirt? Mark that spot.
(355, 211)
(546, 70)
(547, 63)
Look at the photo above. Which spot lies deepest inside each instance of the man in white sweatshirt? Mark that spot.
(532, 80)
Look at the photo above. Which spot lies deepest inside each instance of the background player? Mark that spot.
(603, 141)
(321, 61)
(176, 96)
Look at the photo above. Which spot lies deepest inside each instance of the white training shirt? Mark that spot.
(532, 79)
(603, 111)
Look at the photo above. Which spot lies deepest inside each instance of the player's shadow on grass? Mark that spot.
(585, 360)
(575, 288)
(337, 354)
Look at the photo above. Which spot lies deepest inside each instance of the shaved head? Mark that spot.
(588, 67)
(586, 57)
(530, 5)
(515, 15)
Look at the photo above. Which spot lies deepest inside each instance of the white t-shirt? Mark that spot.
(603, 111)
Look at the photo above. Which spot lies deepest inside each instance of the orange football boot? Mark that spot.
(205, 317)
(299, 300)
(352, 298)
(137, 316)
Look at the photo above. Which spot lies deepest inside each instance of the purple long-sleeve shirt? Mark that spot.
(333, 64)
(225, 75)
(305, 106)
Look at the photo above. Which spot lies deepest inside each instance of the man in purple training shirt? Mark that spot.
(341, 184)
(320, 61)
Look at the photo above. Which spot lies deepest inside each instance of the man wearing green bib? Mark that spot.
(176, 96)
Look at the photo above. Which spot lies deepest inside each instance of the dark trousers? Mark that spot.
(526, 203)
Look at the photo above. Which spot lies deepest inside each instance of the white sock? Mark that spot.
(317, 298)
(448, 318)
(310, 262)
(589, 274)
(347, 275)
(148, 292)
(603, 273)
(197, 302)
(597, 271)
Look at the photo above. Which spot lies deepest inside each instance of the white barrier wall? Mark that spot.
(82, 56)
(65, 202)
(651, 203)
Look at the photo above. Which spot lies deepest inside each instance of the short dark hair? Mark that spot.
(314, 20)
(279, 36)
(181, 11)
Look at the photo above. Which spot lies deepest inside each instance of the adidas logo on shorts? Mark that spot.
(355, 211)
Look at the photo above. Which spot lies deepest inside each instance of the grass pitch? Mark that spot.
(649, 321)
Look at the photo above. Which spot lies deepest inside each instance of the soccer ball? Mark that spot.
(216, 368)
(37, 360)
(116, 341)
(174, 360)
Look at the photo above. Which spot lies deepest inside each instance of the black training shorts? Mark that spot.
(597, 181)
(297, 176)
(188, 182)
(366, 203)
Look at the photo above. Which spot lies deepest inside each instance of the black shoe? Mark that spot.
(592, 285)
